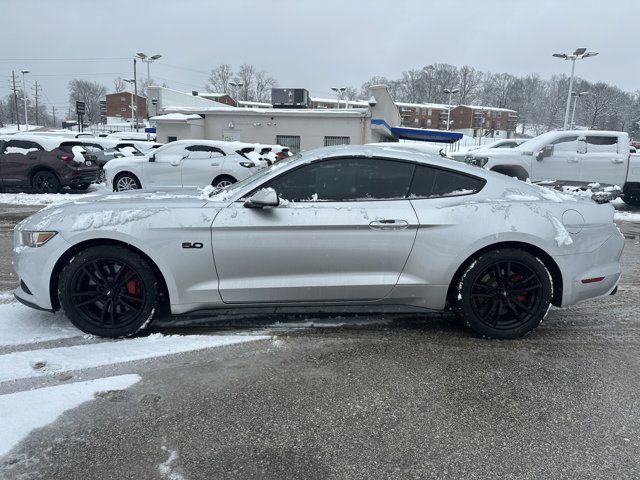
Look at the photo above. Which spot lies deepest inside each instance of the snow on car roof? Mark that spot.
(47, 142)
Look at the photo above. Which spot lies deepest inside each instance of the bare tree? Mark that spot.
(119, 85)
(470, 80)
(219, 79)
(90, 93)
(247, 76)
(264, 82)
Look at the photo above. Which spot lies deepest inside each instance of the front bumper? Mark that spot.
(34, 267)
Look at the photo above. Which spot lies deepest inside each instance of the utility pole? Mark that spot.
(36, 102)
(15, 99)
(135, 84)
(53, 109)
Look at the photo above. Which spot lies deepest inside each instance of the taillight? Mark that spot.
(66, 158)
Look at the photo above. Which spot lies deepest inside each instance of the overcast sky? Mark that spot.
(313, 44)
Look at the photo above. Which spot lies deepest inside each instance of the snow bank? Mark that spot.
(36, 363)
(20, 325)
(24, 411)
(41, 199)
(627, 217)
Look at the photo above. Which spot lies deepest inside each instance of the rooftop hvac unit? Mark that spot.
(290, 98)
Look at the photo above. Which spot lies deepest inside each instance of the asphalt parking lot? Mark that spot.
(378, 397)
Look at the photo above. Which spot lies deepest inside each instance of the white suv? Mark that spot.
(185, 163)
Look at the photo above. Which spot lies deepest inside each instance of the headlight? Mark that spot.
(36, 239)
(247, 164)
(478, 161)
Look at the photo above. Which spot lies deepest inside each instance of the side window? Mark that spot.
(567, 144)
(203, 152)
(430, 182)
(21, 146)
(602, 144)
(348, 179)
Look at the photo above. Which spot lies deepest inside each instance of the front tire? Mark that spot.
(45, 181)
(126, 181)
(504, 294)
(223, 181)
(109, 291)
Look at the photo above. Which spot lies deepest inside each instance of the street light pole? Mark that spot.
(339, 91)
(237, 86)
(131, 82)
(24, 97)
(579, 54)
(450, 92)
(575, 102)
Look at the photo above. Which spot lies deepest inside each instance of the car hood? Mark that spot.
(120, 207)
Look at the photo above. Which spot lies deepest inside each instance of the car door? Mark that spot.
(18, 158)
(343, 232)
(201, 166)
(602, 162)
(558, 161)
(164, 168)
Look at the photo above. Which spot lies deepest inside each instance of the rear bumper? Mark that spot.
(602, 264)
(78, 177)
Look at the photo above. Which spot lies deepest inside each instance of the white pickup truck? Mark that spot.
(575, 157)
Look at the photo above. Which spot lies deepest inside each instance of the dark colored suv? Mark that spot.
(45, 164)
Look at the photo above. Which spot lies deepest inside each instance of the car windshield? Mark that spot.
(258, 176)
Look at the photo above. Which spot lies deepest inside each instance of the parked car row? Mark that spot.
(192, 163)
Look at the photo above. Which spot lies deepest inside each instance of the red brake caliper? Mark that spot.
(133, 287)
(515, 279)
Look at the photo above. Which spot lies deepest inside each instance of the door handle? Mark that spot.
(214, 164)
(617, 160)
(389, 224)
(572, 160)
(32, 157)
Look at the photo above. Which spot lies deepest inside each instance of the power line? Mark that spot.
(106, 59)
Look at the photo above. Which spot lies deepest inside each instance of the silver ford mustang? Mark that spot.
(352, 227)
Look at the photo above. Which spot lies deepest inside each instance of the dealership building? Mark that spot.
(183, 116)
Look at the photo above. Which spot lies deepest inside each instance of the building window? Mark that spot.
(171, 139)
(331, 141)
(429, 111)
(123, 99)
(292, 142)
(123, 109)
(428, 122)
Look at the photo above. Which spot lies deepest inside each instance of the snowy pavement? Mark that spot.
(32, 348)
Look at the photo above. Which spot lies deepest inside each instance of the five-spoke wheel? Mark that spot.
(126, 181)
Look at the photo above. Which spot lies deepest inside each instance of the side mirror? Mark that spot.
(267, 197)
(152, 158)
(546, 151)
(582, 147)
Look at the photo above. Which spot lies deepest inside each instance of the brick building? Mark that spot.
(219, 97)
(475, 121)
(119, 107)
(423, 115)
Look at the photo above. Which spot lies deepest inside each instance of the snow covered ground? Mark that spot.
(43, 199)
(26, 353)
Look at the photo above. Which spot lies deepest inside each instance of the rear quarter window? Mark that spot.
(602, 144)
(21, 146)
(431, 182)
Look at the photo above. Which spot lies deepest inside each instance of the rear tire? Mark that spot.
(504, 294)
(633, 200)
(126, 181)
(109, 291)
(223, 181)
(45, 181)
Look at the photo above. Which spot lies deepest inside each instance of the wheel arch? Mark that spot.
(512, 171)
(223, 175)
(75, 249)
(41, 168)
(549, 262)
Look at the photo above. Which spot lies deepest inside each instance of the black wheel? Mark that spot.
(109, 291)
(504, 294)
(631, 199)
(45, 181)
(80, 187)
(223, 181)
(126, 181)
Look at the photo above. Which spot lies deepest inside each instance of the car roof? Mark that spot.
(48, 142)
(394, 153)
